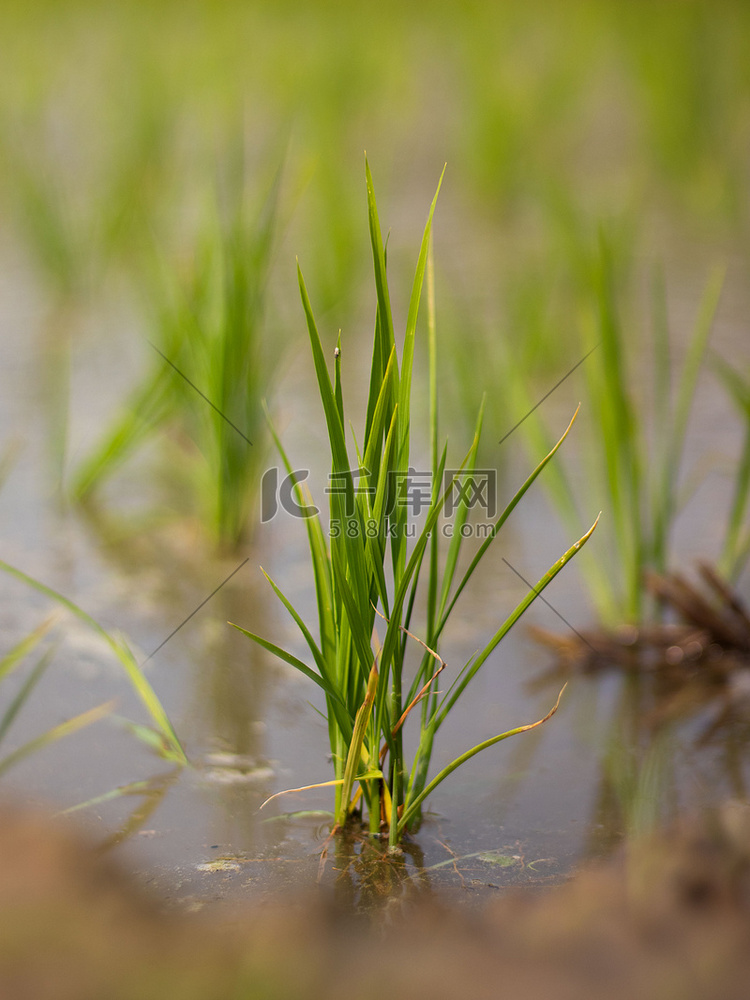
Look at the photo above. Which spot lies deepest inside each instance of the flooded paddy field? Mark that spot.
(589, 246)
(528, 812)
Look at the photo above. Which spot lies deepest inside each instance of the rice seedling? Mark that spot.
(14, 658)
(79, 214)
(160, 736)
(212, 363)
(642, 483)
(637, 447)
(736, 548)
(8, 664)
(366, 572)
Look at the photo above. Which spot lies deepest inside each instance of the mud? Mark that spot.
(668, 918)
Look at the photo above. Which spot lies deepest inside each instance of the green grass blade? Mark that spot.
(150, 737)
(385, 315)
(353, 759)
(147, 409)
(694, 360)
(382, 415)
(20, 699)
(293, 661)
(337, 389)
(737, 538)
(392, 635)
(56, 733)
(148, 696)
(137, 678)
(12, 659)
(380, 355)
(313, 646)
(462, 513)
(665, 501)
(333, 418)
(318, 554)
(414, 804)
(520, 493)
(509, 622)
(342, 500)
(411, 320)
(358, 615)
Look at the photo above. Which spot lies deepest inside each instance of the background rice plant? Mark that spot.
(736, 548)
(9, 663)
(213, 361)
(638, 414)
(160, 736)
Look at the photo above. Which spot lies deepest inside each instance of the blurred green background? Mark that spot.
(131, 130)
(116, 117)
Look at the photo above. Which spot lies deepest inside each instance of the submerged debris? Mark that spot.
(224, 768)
(702, 656)
(220, 865)
(720, 612)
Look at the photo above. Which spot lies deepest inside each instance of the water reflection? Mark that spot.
(368, 876)
(233, 688)
(646, 764)
(665, 747)
(636, 788)
(150, 793)
(229, 681)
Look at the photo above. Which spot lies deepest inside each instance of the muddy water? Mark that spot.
(526, 811)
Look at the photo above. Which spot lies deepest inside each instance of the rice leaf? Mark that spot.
(56, 733)
(119, 647)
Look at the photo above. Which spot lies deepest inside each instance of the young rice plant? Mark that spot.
(8, 664)
(636, 474)
(159, 736)
(372, 573)
(211, 364)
